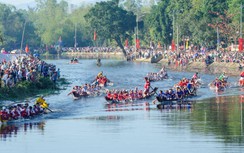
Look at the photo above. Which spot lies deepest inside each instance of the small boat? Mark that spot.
(109, 100)
(74, 61)
(156, 59)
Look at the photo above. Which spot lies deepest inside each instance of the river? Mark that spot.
(214, 124)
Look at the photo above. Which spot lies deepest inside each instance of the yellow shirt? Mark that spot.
(42, 102)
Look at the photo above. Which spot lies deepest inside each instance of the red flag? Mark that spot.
(26, 48)
(138, 43)
(173, 45)
(126, 42)
(241, 41)
(95, 36)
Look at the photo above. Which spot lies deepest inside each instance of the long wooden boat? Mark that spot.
(169, 101)
(77, 96)
(159, 78)
(152, 93)
(21, 119)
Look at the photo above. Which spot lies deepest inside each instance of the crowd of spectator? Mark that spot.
(180, 58)
(25, 68)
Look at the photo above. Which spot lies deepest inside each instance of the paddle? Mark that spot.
(154, 89)
(49, 109)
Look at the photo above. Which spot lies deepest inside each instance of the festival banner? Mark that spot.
(173, 45)
(241, 42)
(137, 43)
(187, 44)
(127, 43)
(27, 48)
(95, 36)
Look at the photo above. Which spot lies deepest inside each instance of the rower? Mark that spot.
(41, 101)
(222, 77)
(146, 86)
(195, 76)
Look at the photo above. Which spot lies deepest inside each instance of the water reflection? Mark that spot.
(12, 130)
(221, 116)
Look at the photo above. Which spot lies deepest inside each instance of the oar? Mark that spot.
(154, 89)
(49, 109)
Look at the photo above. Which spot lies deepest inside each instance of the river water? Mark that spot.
(214, 124)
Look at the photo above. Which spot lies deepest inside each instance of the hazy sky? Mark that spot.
(24, 3)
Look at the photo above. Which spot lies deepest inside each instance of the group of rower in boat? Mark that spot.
(101, 80)
(23, 111)
(90, 89)
(220, 83)
(85, 90)
(118, 96)
(74, 60)
(162, 74)
(184, 89)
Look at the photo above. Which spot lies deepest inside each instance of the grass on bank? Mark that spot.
(25, 89)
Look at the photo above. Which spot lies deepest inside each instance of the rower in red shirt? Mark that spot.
(146, 86)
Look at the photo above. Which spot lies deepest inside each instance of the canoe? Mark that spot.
(74, 62)
(130, 100)
(156, 59)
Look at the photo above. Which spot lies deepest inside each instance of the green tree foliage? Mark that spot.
(111, 21)
(50, 21)
(159, 24)
(158, 20)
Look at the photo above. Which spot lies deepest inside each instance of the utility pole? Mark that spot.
(177, 38)
(241, 22)
(22, 40)
(75, 45)
(217, 38)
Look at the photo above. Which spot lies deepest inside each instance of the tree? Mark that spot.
(50, 19)
(111, 22)
(159, 24)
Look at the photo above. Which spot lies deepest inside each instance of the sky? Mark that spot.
(26, 3)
